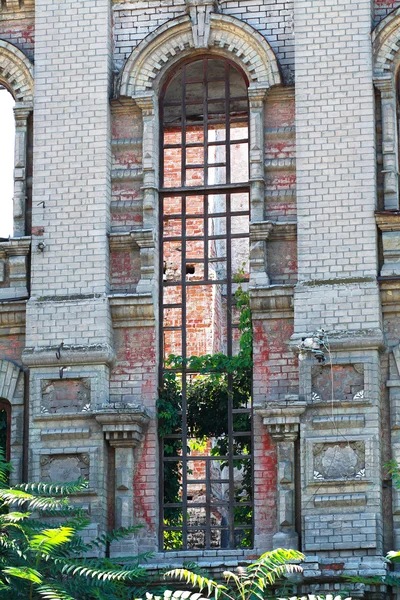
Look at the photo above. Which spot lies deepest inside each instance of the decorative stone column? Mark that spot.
(144, 240)
(257, 95)
(259, 234)
(149, 106)
(389, 140)
(124, 430)
(21, 114)
(282, 420)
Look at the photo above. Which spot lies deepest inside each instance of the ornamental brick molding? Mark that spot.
(16, 73)
(228, 36)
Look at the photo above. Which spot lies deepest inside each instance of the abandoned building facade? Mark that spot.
(175, 162)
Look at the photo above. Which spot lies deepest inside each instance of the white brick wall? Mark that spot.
(71, 165)
(71, 146)
(335, 145)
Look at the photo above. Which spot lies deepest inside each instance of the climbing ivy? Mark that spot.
(207, 399)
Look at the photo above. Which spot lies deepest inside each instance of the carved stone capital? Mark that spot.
(282, 419)
(272, 302)
(123, 427)
(132, 310)
(260, 230)
(146, 103)
(257, 96)
(385, 85)
(143, 238)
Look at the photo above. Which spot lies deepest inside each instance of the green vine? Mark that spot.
(207, 400)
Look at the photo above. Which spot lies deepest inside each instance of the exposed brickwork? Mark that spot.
(20, 32)
(383, 8)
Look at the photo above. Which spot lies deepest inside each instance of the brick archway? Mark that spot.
(16, 73)
(386, 45)
(9, 375)
(228, 37)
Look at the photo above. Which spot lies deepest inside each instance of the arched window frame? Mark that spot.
(142, 78)
(16, 75)
(386, 64)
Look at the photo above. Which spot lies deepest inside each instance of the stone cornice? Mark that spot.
(272, 302)
(363, 339)
(45, 356)
(124, 427)
(388, 220)
(282, 419)
(132, 310)
(390, 295)
(277, 230)
(142, 238)
(15, 247)
(12, 317)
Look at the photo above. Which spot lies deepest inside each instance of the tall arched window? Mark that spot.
(7, 140)
(205, 412)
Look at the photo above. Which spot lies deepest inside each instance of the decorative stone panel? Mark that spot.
(65, 396)
(339, 461)
(347, 382)
(64, 467)
(335, 460)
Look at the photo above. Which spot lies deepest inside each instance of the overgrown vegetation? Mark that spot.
(219, 377)
(41, 560)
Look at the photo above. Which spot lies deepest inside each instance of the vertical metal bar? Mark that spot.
(161, 350)
(227, 125)
(184, 376)
(208, 504)
(183, 128)
(205, 119)
(230, 378)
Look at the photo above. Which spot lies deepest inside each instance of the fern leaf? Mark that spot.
(54, 489)
(49, 592)
(49, 539)
(24, 573)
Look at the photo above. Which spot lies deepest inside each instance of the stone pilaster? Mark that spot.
(124, 430)
(21, 114)
(282, 420)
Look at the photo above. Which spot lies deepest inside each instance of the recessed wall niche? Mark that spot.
(345, 381)
(61, 396)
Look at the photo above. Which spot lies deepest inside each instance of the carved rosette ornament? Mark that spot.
(282, 420)
(199, 12)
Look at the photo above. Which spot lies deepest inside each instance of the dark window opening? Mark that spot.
(5, 427)
(206, 418)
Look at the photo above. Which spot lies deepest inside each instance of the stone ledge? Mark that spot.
(45, 356)
(346, 340)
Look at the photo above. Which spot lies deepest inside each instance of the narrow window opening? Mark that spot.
(7, 142)
(205, 411)
(5, 427)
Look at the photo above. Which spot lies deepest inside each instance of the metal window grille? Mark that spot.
(206, 446)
